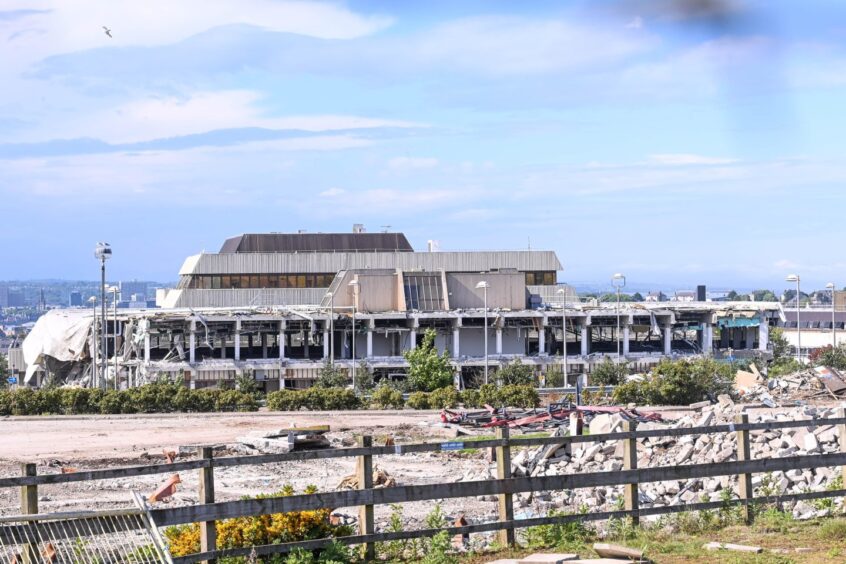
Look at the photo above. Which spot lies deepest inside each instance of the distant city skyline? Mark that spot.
(674, 148)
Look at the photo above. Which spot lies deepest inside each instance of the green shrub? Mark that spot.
(470, 398)
(678, 382)
(427, 370)
(5, 402)
(609, 373)
(515, 373)
(234, 400)
(488, 395)
(112, 402)
(317, 399)
(518, 396)
(284, 400)
(386, 397)
(444, 397)
(331, 376)
(418, 400)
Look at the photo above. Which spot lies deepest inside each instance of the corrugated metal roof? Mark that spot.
(316, 242)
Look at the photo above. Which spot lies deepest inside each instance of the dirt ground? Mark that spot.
(89, 442)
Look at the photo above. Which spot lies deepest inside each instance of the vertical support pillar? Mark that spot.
(192, 343)
(708, 338)
(281, 339)
(841, 414)
(29, 506)
(505, 501)
(412, 339)
(542, 340)
(238, 339)
(364, 473)
(584, 339)
(263, 345)
(325, 340)
(763, 335)
(744, 480)
(626, 333)
(630, 491)
(499, 340)
(668, 340)
(371, 325)
(147, 347)
(223, 346)
(456, 341)
(751, 333)
(208, 531)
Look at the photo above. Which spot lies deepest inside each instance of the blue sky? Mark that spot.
(626, 135)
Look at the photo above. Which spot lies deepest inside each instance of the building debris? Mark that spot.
(166, 490)
(735, 547)
(381, 479)
(809, 384)
(556, 415)
(281, 441)
(616, 551)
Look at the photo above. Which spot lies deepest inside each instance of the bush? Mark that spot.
(284, 400)
(418, 400)
(609, 373)
(488, 395)
(678, 382)
(518, 396)
(470, 398)
(834, 357)
(234, 400)
(331, 377)
(444, 397)
(515, 373)
(386, 397)
(317, 399)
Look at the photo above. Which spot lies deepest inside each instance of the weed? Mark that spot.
(833, 530)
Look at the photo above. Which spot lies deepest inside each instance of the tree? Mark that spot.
(637, 297)
(427, 370)
(4, 371)
(609, 373)
(781, 347)
(331, 376)
(515, 372)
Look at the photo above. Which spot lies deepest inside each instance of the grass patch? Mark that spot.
(833, 530)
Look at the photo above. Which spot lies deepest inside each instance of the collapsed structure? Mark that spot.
(277, 306)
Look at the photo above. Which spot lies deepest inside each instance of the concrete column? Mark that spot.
(708, 338)
(192, 343)
(499, 340)
(238, 339)
(456, 342)
(412, 339)
(763, 335)
(325, 340)
(542, 340)
(371, 325)
(222, 346)
(147, 347)
(625, 347)
(668, 340)
(263, 345)
(282, 340)
(192, 383)
(584, 339)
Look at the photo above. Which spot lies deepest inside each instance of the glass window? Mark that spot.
(283, 281)
(263, 281)
(254, 281)
(206, 282)
(225, 282)
(301, 281)
(292, 281)
(235, 282)
(215, 284)
(549, 278)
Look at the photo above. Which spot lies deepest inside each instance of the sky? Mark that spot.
(629, 136)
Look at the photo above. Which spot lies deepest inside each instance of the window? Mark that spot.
(264, 281)
(549, 278)
(215, 282)
(301, 281)
(225, 282)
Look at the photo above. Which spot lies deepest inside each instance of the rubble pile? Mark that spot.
(814, 383)
(689, 449)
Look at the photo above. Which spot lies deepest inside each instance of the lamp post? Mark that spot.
(93, 301)
(114, 290)
(484, 286)
(103, 252)
(618, 281)
(830, 286)
(795, 278)
(331, 328)
(354, 285)
(563, 293)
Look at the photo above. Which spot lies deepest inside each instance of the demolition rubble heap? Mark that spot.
(671, 451)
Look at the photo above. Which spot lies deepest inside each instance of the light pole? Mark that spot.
(830, 286)
(484, 286)
(331, 329)
(103, 252)
(563, 293)
(114, 290)
(354, 285)
(618, 281)
(93, 301)
(795, 278)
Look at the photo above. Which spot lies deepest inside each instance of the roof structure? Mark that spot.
(316, 242)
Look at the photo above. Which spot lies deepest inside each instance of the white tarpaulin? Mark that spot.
(60, 334)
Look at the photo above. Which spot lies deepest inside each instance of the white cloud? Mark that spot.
(687, 159)
(166, 117)
(332, 192)
(412, 163)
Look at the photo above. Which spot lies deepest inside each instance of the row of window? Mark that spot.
(540, 278)
(236, 281)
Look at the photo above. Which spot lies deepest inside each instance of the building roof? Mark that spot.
(316, 242)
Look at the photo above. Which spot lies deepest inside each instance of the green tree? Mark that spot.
(427, 370)
(4, 371)
(331, 376)
(609, 373)
(781, 347)
(515, 372)
(637, 297)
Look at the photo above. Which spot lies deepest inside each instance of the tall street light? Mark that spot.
(354, 285)
(618, 281)
(833, 329)
(563, 293)
(484, 286)
(795, 278)
(331, 328)
(96, 361)
(114, 290)
(103, 252)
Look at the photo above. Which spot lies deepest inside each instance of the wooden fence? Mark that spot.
(504, 486)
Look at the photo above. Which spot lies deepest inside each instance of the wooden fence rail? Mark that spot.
(504, 486)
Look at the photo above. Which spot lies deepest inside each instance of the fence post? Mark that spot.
(208, 531)
(631, 495)
(29, 506)
(503, 471)
(841, 413)
(744, 480)
(364, 473)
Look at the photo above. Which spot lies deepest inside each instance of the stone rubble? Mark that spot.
(655, 452)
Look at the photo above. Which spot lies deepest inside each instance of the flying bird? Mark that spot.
(108, 31)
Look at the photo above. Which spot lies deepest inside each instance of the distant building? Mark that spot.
(656, 297)
(75, 299)
(133, 291)
(4, 297)
(684, 296)
(15, 298)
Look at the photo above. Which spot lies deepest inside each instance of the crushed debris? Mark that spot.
(381, 479)
(285, 440)
(794, 389)
(556, 415)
